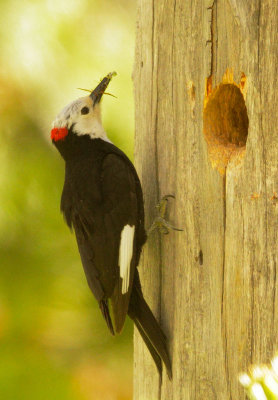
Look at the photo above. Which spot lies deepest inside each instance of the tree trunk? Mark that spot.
(212, 286)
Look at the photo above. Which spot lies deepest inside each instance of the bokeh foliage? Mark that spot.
(53, 341)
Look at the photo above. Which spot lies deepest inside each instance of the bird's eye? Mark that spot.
(85, 110)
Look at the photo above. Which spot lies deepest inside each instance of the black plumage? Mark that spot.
(101, 195)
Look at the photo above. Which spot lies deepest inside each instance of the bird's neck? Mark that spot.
(95, 130)
(75, 147)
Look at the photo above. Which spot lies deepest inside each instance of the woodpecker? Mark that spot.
(102, 202)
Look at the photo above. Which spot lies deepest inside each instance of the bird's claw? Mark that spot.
(160, 222)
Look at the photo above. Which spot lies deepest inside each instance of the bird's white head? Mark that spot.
(82, 116)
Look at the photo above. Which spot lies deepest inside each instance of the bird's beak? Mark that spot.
(97, 93)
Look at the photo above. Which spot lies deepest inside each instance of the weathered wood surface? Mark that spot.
(213, 286)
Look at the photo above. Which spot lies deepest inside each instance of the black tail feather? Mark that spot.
(149, 329)
(154, 353)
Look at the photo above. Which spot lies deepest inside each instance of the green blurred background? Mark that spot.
(54, 343)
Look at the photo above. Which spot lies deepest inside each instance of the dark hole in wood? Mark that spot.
(225, 123)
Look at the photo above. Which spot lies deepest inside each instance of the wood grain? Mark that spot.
(213, 286)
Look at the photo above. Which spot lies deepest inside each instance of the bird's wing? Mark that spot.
(106, 236)
(89, 253)
(121, 223)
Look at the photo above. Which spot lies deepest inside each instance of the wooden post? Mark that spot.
(213, 287)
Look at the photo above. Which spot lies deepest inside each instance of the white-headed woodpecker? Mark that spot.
(102, 201)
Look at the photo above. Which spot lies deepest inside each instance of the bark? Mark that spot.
(213, 286)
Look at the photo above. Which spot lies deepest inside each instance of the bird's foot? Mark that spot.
(160, 222)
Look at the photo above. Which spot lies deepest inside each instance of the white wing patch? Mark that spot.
(125, 255)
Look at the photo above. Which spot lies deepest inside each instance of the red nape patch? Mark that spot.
(58, 134)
